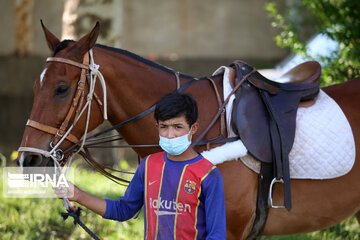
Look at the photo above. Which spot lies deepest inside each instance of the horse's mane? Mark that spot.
(63, 44)
(136, 57)
(146, 61)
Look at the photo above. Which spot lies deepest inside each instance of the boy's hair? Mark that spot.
(175, 104)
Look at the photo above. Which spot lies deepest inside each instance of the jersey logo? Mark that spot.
(189, 186)
(151, 183)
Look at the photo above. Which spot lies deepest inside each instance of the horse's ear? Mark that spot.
(51, 40)
(89, 40)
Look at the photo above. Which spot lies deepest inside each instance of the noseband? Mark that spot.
(75, 111)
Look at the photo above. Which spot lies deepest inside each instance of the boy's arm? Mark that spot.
(214, 205)
(89, 201)
(95, 204)
(128, 205)
(122, 209)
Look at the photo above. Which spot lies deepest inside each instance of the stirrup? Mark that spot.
(270, 202)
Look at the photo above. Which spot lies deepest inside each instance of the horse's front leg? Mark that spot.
(240, 186)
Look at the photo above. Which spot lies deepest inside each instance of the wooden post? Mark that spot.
(24, 27)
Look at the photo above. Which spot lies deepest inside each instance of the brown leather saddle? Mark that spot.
(260, 100)
(264, 117)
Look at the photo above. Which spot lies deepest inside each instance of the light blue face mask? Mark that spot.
(175, 146)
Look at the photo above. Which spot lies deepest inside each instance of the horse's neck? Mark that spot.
(132, 87)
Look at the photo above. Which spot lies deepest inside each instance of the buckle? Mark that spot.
(58, 133)
(270, 202)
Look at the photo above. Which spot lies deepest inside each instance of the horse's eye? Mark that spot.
(61, 90)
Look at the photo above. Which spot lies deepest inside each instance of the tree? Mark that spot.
(337, 19)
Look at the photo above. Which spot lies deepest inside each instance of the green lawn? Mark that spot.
(30, 218)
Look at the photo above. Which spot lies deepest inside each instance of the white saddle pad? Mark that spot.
(324, 145)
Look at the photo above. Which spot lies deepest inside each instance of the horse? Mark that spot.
(134, 84)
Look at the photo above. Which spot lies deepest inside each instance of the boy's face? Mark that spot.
(176, 127)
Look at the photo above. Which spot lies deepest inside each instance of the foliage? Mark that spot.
(337, 19)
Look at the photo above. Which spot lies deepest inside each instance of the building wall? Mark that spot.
(192, 29)
(182, 28)
(16, 14)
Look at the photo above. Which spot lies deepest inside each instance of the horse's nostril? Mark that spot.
(32, 160)
(50, 163)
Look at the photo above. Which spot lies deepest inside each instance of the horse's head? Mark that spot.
(60, 95)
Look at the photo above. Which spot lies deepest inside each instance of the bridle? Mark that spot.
(90, 72)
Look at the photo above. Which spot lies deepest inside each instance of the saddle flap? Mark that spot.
(250, 121)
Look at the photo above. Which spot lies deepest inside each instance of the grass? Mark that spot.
(346, 230)
(30, 218)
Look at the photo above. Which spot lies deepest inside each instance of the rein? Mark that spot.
(142, 114)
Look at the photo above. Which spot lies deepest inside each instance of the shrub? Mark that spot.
(338, 20)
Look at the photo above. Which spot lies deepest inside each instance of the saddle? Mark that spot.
(264, 117)
(260, 100)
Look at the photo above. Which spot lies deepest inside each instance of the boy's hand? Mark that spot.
(71, 192)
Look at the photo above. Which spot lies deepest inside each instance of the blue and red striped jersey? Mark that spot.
(182, 200)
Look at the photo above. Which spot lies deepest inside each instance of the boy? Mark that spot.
(181, 191)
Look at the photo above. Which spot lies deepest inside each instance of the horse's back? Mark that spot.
(347, 96)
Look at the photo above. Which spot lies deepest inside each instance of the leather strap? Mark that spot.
(81, 89)
(68, 61)
(77, 100)
(222, 115)
(49, 129)
(100, 168)
(262, 206)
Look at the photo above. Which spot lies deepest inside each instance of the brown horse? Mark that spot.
(134, 84)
